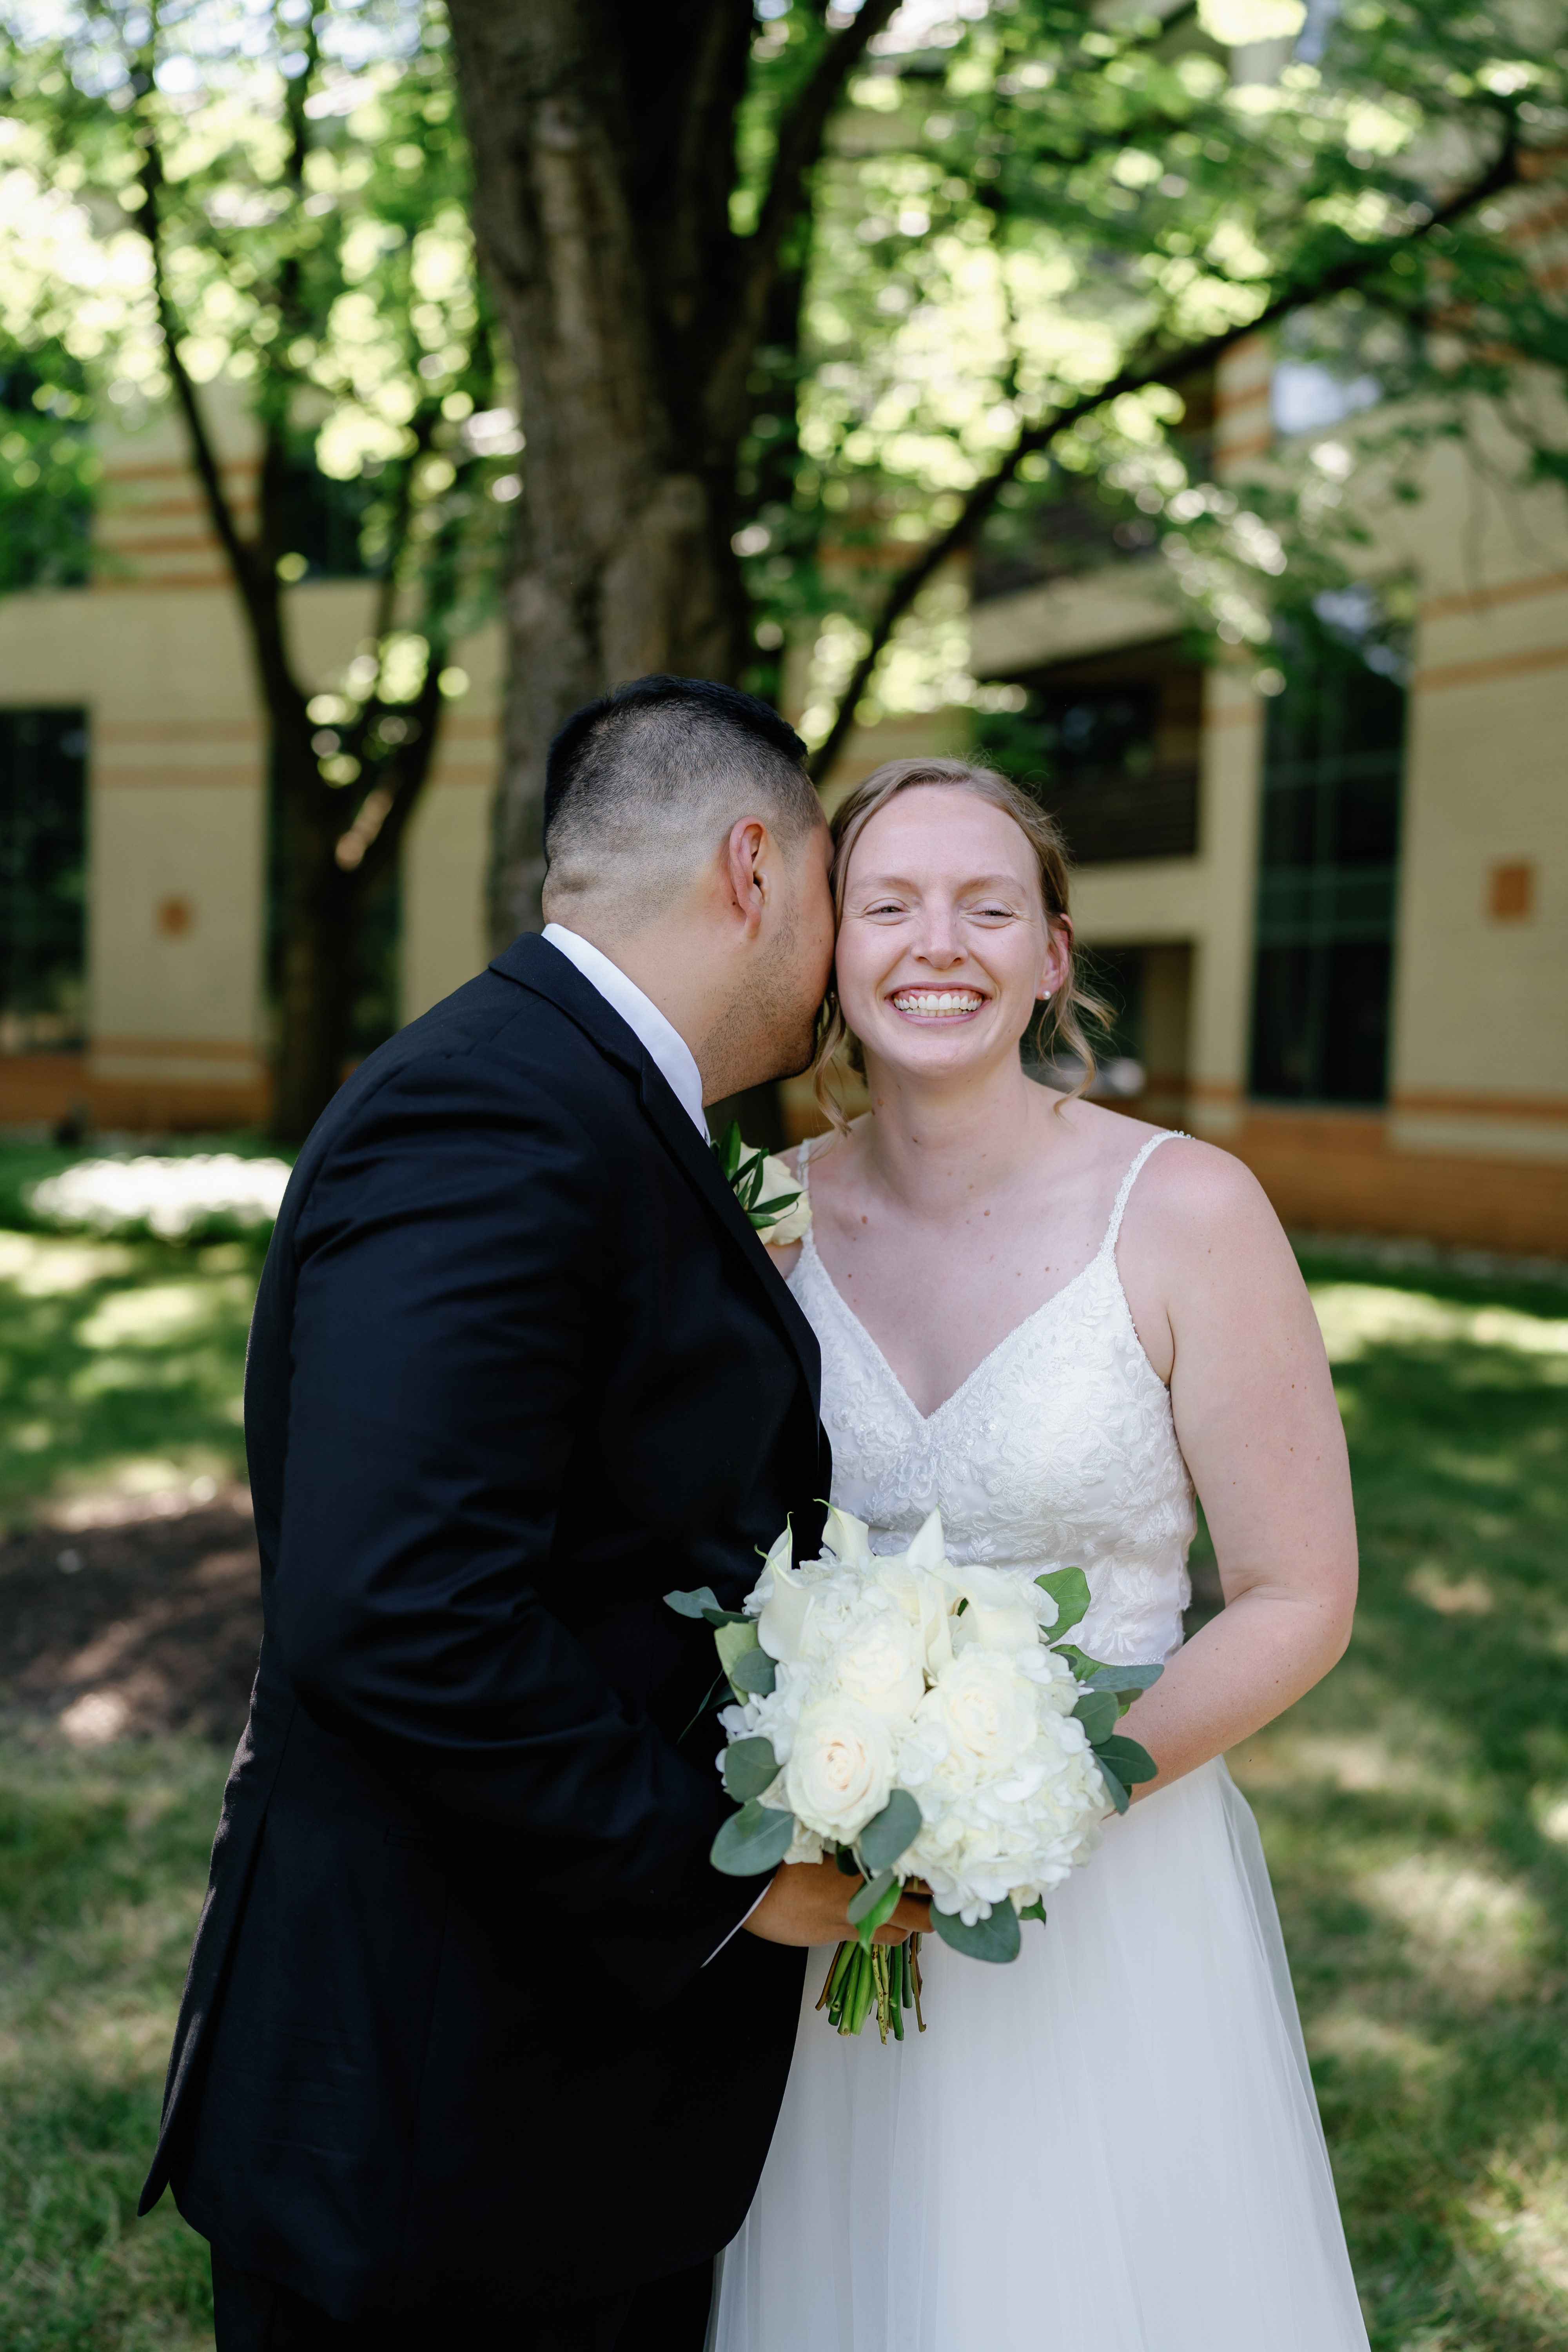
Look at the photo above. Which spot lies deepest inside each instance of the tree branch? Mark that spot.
(1157, 366)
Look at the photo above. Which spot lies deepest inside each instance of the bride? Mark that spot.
(1055, 1322)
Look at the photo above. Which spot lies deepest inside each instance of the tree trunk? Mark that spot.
(318, 918)
(622, 562)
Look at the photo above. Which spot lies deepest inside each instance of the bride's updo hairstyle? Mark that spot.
(1061, 1024)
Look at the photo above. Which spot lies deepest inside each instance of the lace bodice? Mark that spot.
(1058, 1451)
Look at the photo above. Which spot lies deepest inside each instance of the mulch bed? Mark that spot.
(147, 1620)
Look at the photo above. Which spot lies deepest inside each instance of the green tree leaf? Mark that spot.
(755, 1840)
(895, 1828)
(996, 1939)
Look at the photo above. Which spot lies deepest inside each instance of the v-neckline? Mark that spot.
(927, 1418)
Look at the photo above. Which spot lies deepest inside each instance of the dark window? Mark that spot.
(1111, 746)
(1328, 866)
(43, 860)
(325, 521)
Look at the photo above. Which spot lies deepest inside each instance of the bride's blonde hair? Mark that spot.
(1060, 1023)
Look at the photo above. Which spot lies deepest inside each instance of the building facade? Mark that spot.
(1332, 920)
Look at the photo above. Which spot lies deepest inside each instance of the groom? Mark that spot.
(471, 2054)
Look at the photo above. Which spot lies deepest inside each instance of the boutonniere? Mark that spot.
(779, 1211)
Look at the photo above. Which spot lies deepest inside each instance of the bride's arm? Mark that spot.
(1216, 1293)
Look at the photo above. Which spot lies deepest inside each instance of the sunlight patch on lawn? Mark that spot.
(1526, 2214)
(47, 1269)
(1467, 1596)
(160, 1312)
(1356, 1316)
(1474, 1931)
(1359, 2039)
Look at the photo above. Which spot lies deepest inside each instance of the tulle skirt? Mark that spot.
(1109, 2146)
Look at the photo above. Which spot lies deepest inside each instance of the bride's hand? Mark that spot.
(808, 1903)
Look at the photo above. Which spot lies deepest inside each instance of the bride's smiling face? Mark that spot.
(945, 951)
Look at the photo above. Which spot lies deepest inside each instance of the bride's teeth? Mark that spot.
(938, 1000)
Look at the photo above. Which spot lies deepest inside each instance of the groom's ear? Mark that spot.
(748, 856)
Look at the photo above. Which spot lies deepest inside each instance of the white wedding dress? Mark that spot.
(1112, 2144)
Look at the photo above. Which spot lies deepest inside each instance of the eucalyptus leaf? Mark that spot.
(692, 1604)
(1084, 1668)
(1034, 1910)
(733, 1641)
(755, 1673)
(996, 1939)
(717, 1617)
(1069, 1587)
(1114, 1787)
(896, 1827)
(1098, 1712)
(750, 1767)
(1127, 1760)
(872, 1896)
(755, 1839)
(1122, 1680)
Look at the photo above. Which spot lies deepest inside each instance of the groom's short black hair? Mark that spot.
(643, 783)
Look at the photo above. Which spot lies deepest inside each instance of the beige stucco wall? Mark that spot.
(156, 652)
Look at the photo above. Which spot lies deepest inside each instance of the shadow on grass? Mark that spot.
(1415, 1808)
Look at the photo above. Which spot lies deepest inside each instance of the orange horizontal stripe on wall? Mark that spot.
(188, 1049)
(155, 584)
(1552, 1108)
(176, 731)
(174, 771)
(172, 543)
(1507, 592)
(1477, 673)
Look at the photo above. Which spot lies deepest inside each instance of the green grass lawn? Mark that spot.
(1414, 1810)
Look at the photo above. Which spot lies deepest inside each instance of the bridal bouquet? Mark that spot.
(927, 1726)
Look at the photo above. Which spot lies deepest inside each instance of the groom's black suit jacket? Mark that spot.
(452, 2045)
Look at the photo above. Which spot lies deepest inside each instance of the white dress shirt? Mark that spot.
(677, 1064)
(668, 1049)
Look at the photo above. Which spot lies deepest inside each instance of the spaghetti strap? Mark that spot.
(803, 1163)
(1167, 1135)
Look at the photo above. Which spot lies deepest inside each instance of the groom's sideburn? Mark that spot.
(468, 2034)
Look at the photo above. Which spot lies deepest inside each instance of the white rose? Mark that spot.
(792, 1224)
(1001, 1612)
(840, 1769)
(988, 1710)
(878, 1666)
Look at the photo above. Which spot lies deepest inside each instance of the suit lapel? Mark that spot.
(534, 964)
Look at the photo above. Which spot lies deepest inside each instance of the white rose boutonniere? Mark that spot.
(779, 1210)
